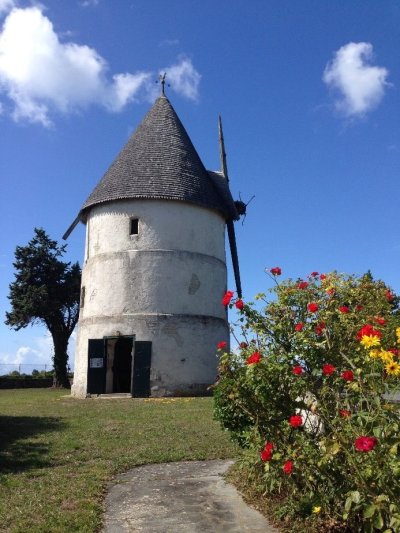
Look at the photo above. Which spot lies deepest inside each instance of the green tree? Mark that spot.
(46, 290)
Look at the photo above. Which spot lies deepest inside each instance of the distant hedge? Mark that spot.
(22, 382)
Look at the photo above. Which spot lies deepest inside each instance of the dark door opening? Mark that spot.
(113, 369)
(122, 365)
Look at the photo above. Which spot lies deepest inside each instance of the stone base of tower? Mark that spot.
(180, 351)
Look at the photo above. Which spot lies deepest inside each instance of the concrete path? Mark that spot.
(185, 497)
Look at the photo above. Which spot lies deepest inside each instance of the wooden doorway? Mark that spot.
(119, 365)
(141, 370)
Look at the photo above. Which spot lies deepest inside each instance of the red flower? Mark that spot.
(269, 446)
(394, 351)
(344, 309)
(288, 467)
(299, 326)
(365, 444)
(221, 345)
(389, 296)
(297, 370)
(276, 271)
(330, 291)
(368, 331)
(379, 320)
(266, 454)
(312, 307)
(254, 358)
(322, 277)
(314, 274)
(295, 421)
(344, 413)
(239, 304)
(328, 369)
(359, 307)
(303, 285)
(319, 328)
(226, 300)
(348, 375)
(243, 345)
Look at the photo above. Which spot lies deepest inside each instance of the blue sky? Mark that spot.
(308, 92)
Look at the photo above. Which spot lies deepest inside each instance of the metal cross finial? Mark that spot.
(162, 81)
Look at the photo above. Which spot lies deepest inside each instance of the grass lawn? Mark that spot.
(57, 454)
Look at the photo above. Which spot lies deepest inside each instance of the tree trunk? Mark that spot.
(60, 341)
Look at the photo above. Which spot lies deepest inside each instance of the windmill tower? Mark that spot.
(154, 269)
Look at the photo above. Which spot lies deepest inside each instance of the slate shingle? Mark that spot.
(159, 161)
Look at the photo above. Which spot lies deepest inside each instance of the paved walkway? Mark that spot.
(185, 497)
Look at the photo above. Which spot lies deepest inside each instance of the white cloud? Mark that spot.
(125, 88)
(184, 78)
(26, 358)
(40, 74)
(6, 6)
(361, 85)
(89, 3)
(38, 354)
(169, 42)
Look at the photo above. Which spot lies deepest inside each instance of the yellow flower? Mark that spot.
(370, 340)
(393, 368)
(398, 334)
(385, 356)
(316, 510)
(374, 354)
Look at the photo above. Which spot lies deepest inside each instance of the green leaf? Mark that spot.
(369, 511)
(334, 450)
(355, 496)
(378, 521)
(382, 498)
(377, 432)
(348, 504)
(393, 449)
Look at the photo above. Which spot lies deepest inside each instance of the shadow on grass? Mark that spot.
(19, 450)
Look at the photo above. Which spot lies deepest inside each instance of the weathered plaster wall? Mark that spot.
(166, 225)
(163, 285)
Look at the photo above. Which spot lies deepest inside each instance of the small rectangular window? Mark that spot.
(134, 226)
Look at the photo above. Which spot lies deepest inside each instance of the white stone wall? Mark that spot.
(163, 224)
(163, 285)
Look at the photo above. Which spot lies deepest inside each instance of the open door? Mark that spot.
(122, 364)
(96, 382)
(140, 386)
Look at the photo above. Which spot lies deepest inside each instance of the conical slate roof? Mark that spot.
(159, 161)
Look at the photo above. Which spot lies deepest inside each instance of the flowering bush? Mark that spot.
(309, 396)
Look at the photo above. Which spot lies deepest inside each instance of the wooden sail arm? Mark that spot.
(71, 228)
(229, 224)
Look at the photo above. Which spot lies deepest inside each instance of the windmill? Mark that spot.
(155, 265)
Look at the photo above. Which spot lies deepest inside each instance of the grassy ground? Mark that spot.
(57, 453)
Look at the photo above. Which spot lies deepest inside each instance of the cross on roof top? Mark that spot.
(162, 81)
